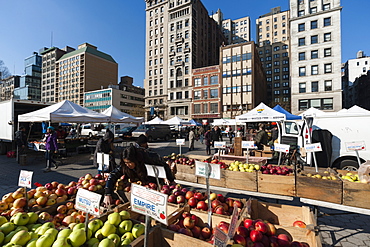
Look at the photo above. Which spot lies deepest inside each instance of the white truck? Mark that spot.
(345, 126)
(9, 110)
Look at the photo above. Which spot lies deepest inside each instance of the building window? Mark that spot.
(300, 13)
(313, 24)
(322, 104)
(326, 6)
(197, 82)
(302, 71)
(313, 10)
(327, 52)
(327, 68)
(314, 70)
(314, 86)
(314, 54)
(197, 94)
(196, 108)
(301, 27)
(302, 87)
(205, 94)
(327, 37)
(301, 41)
(327, 21)
(214, 107)
(276, 48)
(214, 93)
(277, 92)
(214, 80)
(314, 39)
(328, 85)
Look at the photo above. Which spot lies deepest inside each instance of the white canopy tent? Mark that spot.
(65, 111)
(116, 116)
(223, 121)
(176, 121)
(262, 113)
(156, 120)
(312, 112)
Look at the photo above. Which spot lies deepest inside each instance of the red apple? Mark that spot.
(206, 233)
(296, 244)
(196, 231)
(221, 198)
(180, 199)
(258, 244)
(299, 223)
(189, 195)
(238, 203)
(265, 241)
(192, 202)
(199, 196)
(271, 229)
(248, 223)
(256, 236)
(60, 191)
(202, 205)
(238, 239)
(283, 240)
(185, 214)
(220, 210)
(171, 199)
(94, 181)
(49, 186)
(62, 209)
(195, 218)
(174, 227)
(261, 226)
(185, 231)
(242, 231)
(215, 203)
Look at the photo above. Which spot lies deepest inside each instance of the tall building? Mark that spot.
(7, 87)
(243, 79)
(30, 83)
(273, 39)
(315, 70)
(124, 96)
(237, 31)
(83, 70)
(180, 36)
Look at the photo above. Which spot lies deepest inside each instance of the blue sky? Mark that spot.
(117, 27)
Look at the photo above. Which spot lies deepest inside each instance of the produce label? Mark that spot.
(234, 221)
(314, 147)
(284, 148)
(103, 161)
(149, 202)
(151, 169)
(88, 202)
(25, 179)
(180, 142)
(221, 238)
(219, 145)
(201, 170)
(248, 144)
(355, 146)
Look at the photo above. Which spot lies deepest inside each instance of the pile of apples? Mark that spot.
(191, 225)
(276, 170)
(326, 176)
(258, 233)
(352, 178)
(243, 167)
(216, 161)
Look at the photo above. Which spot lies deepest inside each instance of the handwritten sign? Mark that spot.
(151, 171)
(219, 144)
(233, 222)
(103, 161)
(180, 142)
(248, 144)
(221, 238)
(201, 170)
(149, 202)
(25, 179)
(355, 146)
(314, 147)
(88, 202)
(284, 148)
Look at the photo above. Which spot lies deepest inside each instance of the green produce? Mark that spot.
(20, 219)
(52, 231)
(108, 229)
(125, 226)
(64, 233)
(62, 242)
(1, 237)
(7, 227)
(77, 237)
(33, 217)
(125, 215)
(114, 218)
(91, 242)
(3, 220)
(126, 243)
(127, 235)
(45, 240)
(99, 235)
(106, 243)
(21, 237)
(138, 230)
(9, 236)
(34, 227)
(94, 226)
(32, 242)
(115, 238)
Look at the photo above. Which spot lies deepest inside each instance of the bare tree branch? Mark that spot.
(4, 71)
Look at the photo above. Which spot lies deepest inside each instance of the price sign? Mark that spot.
(221, 238)
(88, 202)
(219, 145)
(248, 144)
(103, 161)
(151, 171)
(25, 179)
(314, 147)
(355, 146)
(149, 202)
(284, 148)
(201, 168)
(180, 141)
(233, 222)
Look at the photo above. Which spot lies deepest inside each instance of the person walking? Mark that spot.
(51, 147)
(208, 141)
(191, 139)
(201, 132)
(21, 141)
(216, 136)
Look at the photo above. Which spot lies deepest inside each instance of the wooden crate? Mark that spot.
(319, 189)
(214, 182)
(276, 184)
(186, 173)
(241, 180)
(301, 234)
(355, 194)
(185, 169)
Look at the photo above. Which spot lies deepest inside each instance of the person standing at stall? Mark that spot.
(21, 141)
(261, 137)
(51, 147)
(208, 141)
(105, 145)
(201, 132)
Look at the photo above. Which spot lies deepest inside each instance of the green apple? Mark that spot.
(127, 235)
(94, 226)
(100, 222)
(49, 224)
(20, 228)
(115, 238)
(7, 227)
(91, 242)
(1, 237)
(79, 226)
(21, 219)
(3, 220)
(106, 243)
(52, 231)
(99, 235)
(138, 230)
(126, 243)
(32, 242)
(64, 233)
(34, 227)
(77, 237)
(114, 218)
(108, 229)
(125, 215)
(62, 242)
(20, 238)
(125, 226)
(33, 217)
(45, 240)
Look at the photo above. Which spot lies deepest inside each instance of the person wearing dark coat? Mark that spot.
(261, 137)
(21, 141)
(105, 145)
(216, 135)
(208, 141)
(132, 169)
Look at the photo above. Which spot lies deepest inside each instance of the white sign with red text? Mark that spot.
(25, 179)
(355, 146)
(314, 147)
(88, 202)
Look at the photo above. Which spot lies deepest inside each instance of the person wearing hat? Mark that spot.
(274, 132)
(51, 147)
(261, 137)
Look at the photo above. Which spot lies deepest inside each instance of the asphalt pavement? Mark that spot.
(337, 228)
